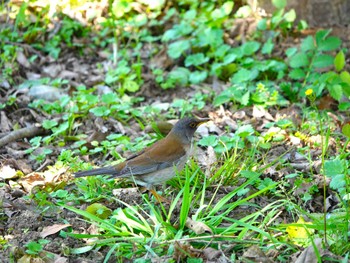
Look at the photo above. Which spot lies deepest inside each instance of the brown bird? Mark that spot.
(158, 162)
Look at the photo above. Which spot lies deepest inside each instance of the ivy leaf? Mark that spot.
(339, 61)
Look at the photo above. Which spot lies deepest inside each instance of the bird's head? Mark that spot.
(186, 127)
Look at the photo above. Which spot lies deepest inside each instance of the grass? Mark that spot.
(250, 193)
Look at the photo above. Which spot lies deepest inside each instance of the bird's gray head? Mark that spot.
(186, 127)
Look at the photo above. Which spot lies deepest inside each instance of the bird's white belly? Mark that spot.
(160, 176)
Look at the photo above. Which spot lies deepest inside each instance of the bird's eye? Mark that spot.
(193, 125)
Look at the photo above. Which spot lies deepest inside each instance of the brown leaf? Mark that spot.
(308, 255)
(255, 254)
(22, 60)
(197, 227)
(30, 181)
(4, 123)
(50, 230)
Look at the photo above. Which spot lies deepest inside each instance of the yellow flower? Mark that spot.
(308, 92)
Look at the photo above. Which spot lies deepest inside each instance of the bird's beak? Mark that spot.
(202, 120)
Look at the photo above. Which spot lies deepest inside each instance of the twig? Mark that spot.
(20, 134)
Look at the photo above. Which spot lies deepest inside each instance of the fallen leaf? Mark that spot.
(309, 255)
(6, 172)
(22, 60)
(30, 181)
(255, 254)
(50, 230)
(300, 235)
(197, 227)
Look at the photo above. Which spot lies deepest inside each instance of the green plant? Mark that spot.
(34, 248)
(316, 54)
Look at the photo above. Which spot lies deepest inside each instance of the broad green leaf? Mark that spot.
(291, 51)
(329, 44)
(336, 91)
(244, 100)
(322, 61)
(321, 36)
(308, 44)
(109, 98)
(190, 15)
(299, 60)
(268, 47)
(209, 36)
(249, 48)
(338, 181)
(279, 4)
(176, 49)
(48, 124)
(245, 130)
(210, 140)
(198, 77)
(229, 58)
(262, 24)
(221, 51)
(243, 11)
(196, 59)
(339, 61)
(297, 74)
(290, 16)
(222, 98)
(131, 86)
(346, 130)
(345, 77)
(244, 75)
(333, 167)
(223, 11)
(100, 111)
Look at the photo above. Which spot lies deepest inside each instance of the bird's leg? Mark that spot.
(158, 197)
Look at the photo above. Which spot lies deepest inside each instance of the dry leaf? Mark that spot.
(309, 255)
(300, 234)
(50, 230)
(22, 60)
(30, 181)
(6, 172)
(197, 227)
(255, 254)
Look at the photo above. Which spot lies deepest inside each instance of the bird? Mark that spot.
(157, 163)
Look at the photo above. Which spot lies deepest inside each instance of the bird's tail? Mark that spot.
(99, 171)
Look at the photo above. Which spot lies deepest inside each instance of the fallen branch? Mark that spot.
(21, 133)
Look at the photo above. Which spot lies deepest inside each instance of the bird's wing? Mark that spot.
(162, 154)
